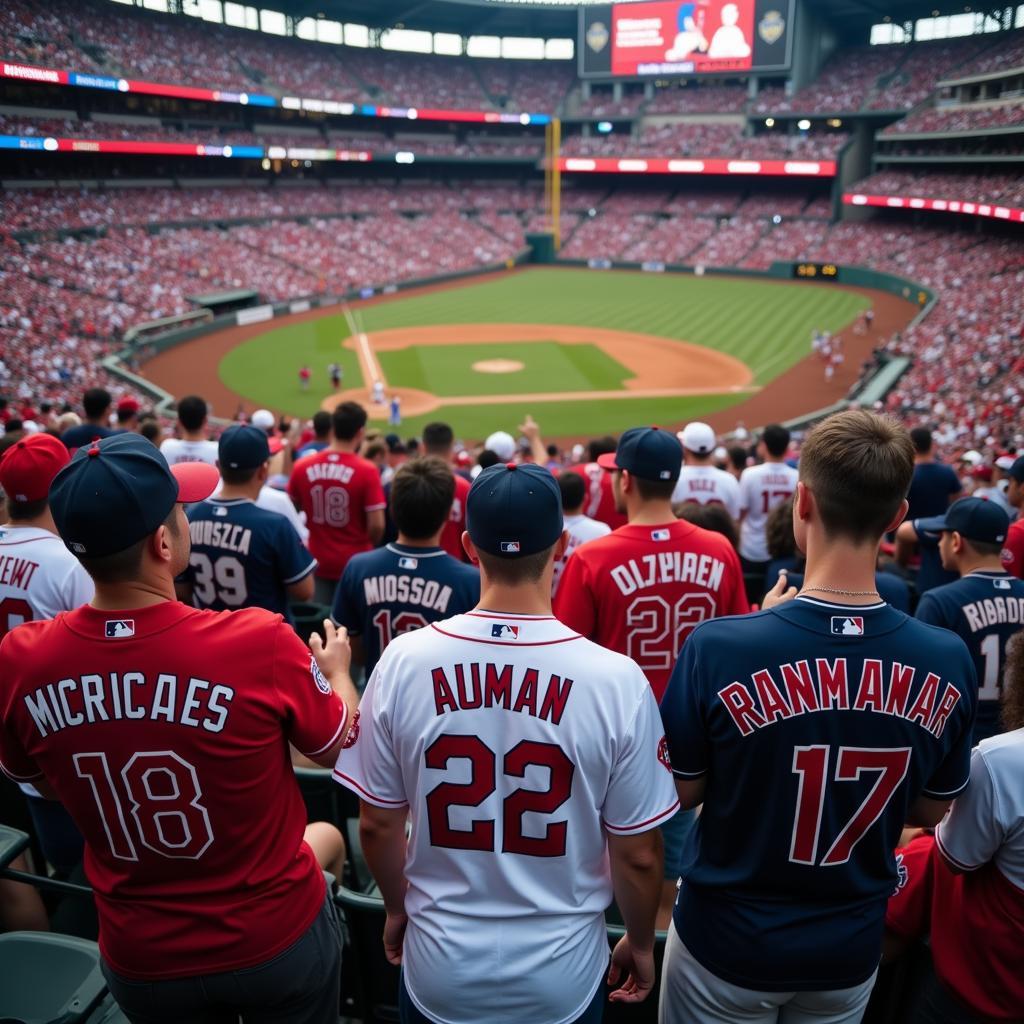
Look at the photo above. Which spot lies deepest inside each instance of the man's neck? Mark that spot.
(844, 569)
(988, 563)
(193, 435)
(532, 599)
(232, 492)
(920, 460)
(651, 513)
(137, 594)
(347, 447)
(572, 513)
(774, 459)
(43, 521)
(425, 542)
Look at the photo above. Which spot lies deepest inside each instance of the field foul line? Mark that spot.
(567, 396)
(372, 371)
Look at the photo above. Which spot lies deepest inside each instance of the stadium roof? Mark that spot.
(553, 19)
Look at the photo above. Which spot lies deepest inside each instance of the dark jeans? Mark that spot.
(409, 1014)
(302, 985)
(937, 1005)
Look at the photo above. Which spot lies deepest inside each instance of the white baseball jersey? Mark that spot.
(761, 489)
(987, 820)
(174, 450)
(39, 577)
(514, 741)
(708, 485)
(580, 529)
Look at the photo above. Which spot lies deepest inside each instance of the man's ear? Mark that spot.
(803, 503)
(901, 514)
(469, 548)
(160, 545)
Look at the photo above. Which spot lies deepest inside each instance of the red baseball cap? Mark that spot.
(28, 467)
(196, 481)
(128, 404)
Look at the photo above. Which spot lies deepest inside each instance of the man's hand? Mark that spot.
(335, 655)
(530, 430)
(639, 970)
(394, 936)
(780, 593)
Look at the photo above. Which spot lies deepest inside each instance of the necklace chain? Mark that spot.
(845, 593)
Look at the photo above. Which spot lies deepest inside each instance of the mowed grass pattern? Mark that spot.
(765, 324)
(547, 366)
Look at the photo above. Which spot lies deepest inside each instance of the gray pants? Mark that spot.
(691, 994)
(302, 985)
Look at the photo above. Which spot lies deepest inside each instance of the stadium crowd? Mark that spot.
(1005, 189)
(973, 118)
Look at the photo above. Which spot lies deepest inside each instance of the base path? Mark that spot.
(659, 367)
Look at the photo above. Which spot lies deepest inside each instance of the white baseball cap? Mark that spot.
(264, 419)
(698, 438)
(503, 444)
(1005, 462)
(972, 457)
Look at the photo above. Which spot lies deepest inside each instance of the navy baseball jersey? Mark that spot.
(396, 589)
(816, 727)
(243, 556)
(985, 609)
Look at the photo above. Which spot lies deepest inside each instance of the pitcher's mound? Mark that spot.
(414, 402)
(497, 366)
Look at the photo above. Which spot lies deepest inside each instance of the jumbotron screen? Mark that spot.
(684, 37)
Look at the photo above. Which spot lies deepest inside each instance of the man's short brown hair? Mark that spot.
(422, 492)
(515, 572)
(858, 466)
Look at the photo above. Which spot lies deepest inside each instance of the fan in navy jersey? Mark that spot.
(244, 556)
(811, 732)
(414, 581)
(986, 605)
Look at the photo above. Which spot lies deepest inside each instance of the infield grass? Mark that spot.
(766, 324)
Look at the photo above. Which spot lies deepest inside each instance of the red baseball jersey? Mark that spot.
(642, 589)
(336, 490)
(599, 503)
(1013, 551)
(451, 535)
(163, 731)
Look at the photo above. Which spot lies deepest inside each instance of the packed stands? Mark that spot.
(698, 99)
(959, 119)
(842, 86)
(993, 188)
(1002, 55)
(601, 103)
(925, 65)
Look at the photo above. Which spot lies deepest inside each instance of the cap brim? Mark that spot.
(607, 461)
(275, 444)
(936, 524)
(196, 481)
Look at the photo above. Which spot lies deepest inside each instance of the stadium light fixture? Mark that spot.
(769, 122)
(803, 124)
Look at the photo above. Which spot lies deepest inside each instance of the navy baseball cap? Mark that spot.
(646, 452)
(243, 446)
(972, 518)
(514, 510)
(1017, 470)
(118, 490)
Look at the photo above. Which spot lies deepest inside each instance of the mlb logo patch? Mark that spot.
(1001, 584)
(405, 562)
(77, 547)
(500, 631)
(659, 534)
(220, 511)
(119, 629)
(509, 547)
(664, 475)
(847, 625)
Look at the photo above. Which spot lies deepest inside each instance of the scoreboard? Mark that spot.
(684, 37)
(828, 271)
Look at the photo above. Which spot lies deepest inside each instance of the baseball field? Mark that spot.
(584, 351)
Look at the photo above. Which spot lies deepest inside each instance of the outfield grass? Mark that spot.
(765, 324)
(448, 369)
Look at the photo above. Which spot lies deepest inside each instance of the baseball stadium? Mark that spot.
(314, 279)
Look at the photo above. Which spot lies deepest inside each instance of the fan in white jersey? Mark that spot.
(193, 445)
(39, 577)
(580, 528)
(533, 766)
(762, 487)
(699, 479)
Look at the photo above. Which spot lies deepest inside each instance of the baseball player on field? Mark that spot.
(985, 607)
(810, 732)
(343, 499)
(407, 584)
(700, 480)
(163, 730)
(244, 556)
(642, 589)
(532, 764)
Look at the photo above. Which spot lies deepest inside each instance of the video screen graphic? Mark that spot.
(684, 37)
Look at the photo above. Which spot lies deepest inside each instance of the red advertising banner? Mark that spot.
(716, 165)
(972, 208)
(682, 37)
